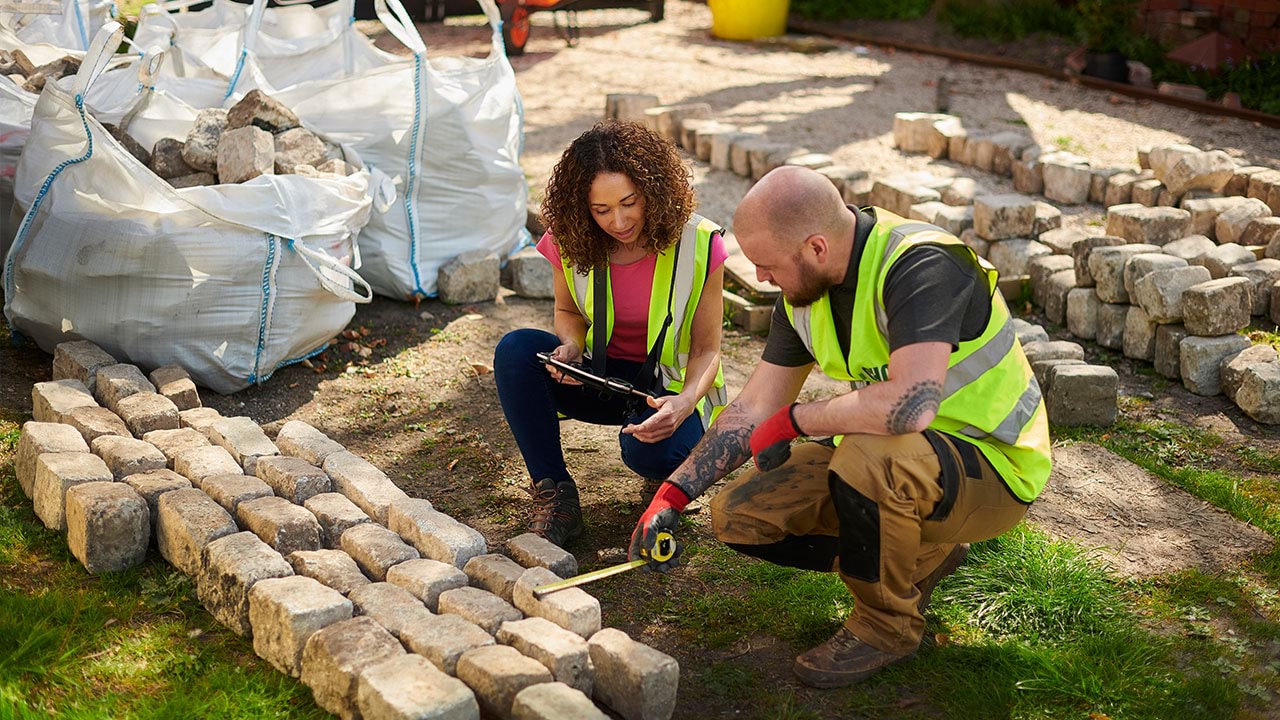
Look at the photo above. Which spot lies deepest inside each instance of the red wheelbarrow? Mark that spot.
(515, 15)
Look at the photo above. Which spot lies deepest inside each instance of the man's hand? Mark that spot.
(771, 440)
(662, 514)
(673, 410)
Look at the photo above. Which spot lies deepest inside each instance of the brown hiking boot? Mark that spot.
(843, 660)
(556, 513)
(949, 565)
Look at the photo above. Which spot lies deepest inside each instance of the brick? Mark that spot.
(38, 438)
(572, 608)
(51, 401)
(279, 523)
(80, 360)
(495, 573)
(285, 612)
(117, 382)
(126, 456)
(293, 478)
(426, 579)
(199, 463)
(410, 687)
(363, 484)
(1201, 359)
(242, 437)
(434, 534)
(144, 412)
(532, 550)
(230, 566)
(300, 440)
(478, 606)
(443, 639)
(335, 656)
(55, 474)
(172, 442)
(186, 521)
(376, 549)
(336, 514)
(231, 490)
(173, 382)
(562, 652)
(331, 568)
(150, 485)
(497, 673)
(635, 680)
(108, 526)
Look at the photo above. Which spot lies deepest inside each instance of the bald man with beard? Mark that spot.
(941, 441)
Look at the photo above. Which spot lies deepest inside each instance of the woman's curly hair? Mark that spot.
(651, 162)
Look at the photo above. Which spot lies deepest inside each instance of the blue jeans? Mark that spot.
(531, 398)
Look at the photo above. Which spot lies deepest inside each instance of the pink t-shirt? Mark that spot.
(632, 285)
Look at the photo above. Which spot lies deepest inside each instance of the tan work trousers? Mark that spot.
(864, 510)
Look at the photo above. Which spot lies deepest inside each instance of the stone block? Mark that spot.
(962, 191)
(1201, 359)
(443, 639)
(409, 687)
(1149, 225)
(126, 456)
(1143, 264)
(1063, 240)
(1159, 293)
(1048, 218)
(1041, 268)
(108, 526)
(1111, 321)
(298, 146)
(1098, 183)
(230, 566)
(93, 421)
(1080, 252)
(1275, 304)
(1189, 248)
(242, 437)
(363, 484)
(166, 159)
(152, 484)
(1119, 190)
(1264, 274)
(1082, 313)
(173, 382)
(331, 568)
(186, 521)
(1106, 266)
(980, 247)
(1217, 307)
(1055, 298)
(1168, 359)
(547, 701)
(80, 360)
(572, 608)
(1221, 259)
(244, 154)
(689, 130)
(1067, 182)
(635, 680)
(495, 573)
(199, 179)
(1259, 393)
(497, 673)
(375, 549)
(117, 382)
(336, 514)
(898, 194)
(1027, 333)
(529, 274)
(51, 401)
(721, 155)
(998, 217)
(627, 107)
(740, 153)
(38, 438)
(1239, 182)
(145, 412)
(1006, 148)
(198, 463)
(426, 579)
(260, 110)
(913, 131)
(1083, 395)
(1231, 372)
(562, 652)
(1205, 212)
(1043, 368)
(391, 605)
(300, 440)
(945, 132)
(1164, 157)
(706, 137)
(666, 120)
(1201, 171)
(55, 474)
(200, 150)
(1053, 350)
(1139, 335)
(471, 277)
(1265, 232)
(1028, 176)
(1010, 257)
(1260, 184)
(1231, 223)
(285, 612)
(334, 658)
(478, 606)
(172, 442)
(199, 419)
(293, 478)
(231, 490)
(436, 535)
(532, 550)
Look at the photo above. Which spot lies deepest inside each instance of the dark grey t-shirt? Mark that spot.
(933, 293)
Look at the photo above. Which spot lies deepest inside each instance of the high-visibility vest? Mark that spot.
(990, 398)
(690, 276)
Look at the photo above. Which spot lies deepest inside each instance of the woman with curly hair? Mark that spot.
(638, 279)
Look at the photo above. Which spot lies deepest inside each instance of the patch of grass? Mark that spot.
(1006, 20)
(870, 9)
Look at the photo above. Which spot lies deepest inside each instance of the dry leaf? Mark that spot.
(363, 331)
(1099, 716)
(350, 334)
(293, 385)
(481, 369)
(366, 352)
(454, 464)
(943, 639)
(307, 364)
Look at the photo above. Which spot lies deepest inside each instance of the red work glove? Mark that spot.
(771, 441)
(663, 513)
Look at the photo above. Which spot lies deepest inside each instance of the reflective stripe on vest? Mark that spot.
(690, 274)
(990, 367)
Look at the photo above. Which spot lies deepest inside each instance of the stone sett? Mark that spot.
(199, 418)
(1043, 369)
(1067, 182)
(300, 440)
(426, 579)
(334, 658)
(409, 687)
(470, 277)
(144, 412)
(1160, 292)
(108, 526)
(1012, 256)
(1201, 361)
(186, 521)
(172, 442)
(363, 484)
(1221, 260)
(1082, 313)
(562, 652)
(998, 217)
(200, 150)
(1062, 241)
(1041, 268)
(230, 566)
(1205, 212)
(1111, 321)
(497, 673)
(126, 456)
(1143, 264)
(391, 605)
(38, 438)
(1168, 340)
(231, 490)
(1139, 335)
(1264, 274)
(532, 550)
(443, 639)
(478, 606)
(336, 514)
(549, 701)
(1026, 332)
(1059, 285)
(117, 382)
(80, 360)
(1053, 350)
(493, 572)
(635, 680)
(434, 534)
(281, 524)
(1189, 248)
(173, 382)
(1217, 307)
(55, 474)
(51, 401)
(93, 421)
(375, 549)
(198, 463)
(293, 478)
(244, 154)
(1148, 225)
(1080, 252)
(285, 612)
(1231, 223)
(1259, 393)
(1232, 371)
(242, 437)
(151, 485)
(1106, 266)
(331, 568)
(572, 608)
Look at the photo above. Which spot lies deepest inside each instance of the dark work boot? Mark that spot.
(949, 565)
(843, 660)
(556, 513)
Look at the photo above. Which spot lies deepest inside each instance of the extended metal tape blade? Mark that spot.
(585, 578)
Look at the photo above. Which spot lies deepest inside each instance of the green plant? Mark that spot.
(1106, 25)
(1007, 20)
(869, 9)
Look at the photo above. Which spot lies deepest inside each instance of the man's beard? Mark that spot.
(812, 289)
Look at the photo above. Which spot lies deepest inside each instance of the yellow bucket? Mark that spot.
(748, 19)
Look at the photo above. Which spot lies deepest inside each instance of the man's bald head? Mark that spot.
(791, 203)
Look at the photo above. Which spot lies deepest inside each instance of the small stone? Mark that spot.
(1149, 225)
(126, 456)
(497, 673)
(334, 658)
(119, 381)
(376, 549)
(1201, 171)
(55, 474)
(363, 484)
(1264, 274)
(279, 523)
(1139, 335)
(635, 680)
(1189, 248)
(108, 526)
(1011, 257)
(285, 612)
(1119, 190)
(200, 151)
(127, 141)
(186, 521)
(200, 179)
(336, 514)
(230, 566)
(426, 579)
(1062, 240)
(331, 568)
(92, 421)
(1111, 321)
(1067, 182)
(628, 107)
(1205, 212)
(1106, 266)
(1160, 292)
(547, 701)
(1231, 223)
(80, 360)
(1143, 264)
(231, 490)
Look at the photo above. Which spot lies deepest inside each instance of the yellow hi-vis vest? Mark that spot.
(990, 398)
(690, 277)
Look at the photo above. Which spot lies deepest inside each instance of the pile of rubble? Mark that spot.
(382, 605)
(15, 65)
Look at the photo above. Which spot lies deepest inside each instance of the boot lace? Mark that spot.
(546, 509)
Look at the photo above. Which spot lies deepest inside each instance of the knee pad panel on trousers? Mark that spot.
(859, 542)
(811, 552)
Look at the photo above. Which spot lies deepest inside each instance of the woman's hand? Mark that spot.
(673, 410)
(567, 353)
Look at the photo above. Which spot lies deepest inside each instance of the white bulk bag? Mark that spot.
(72, 28)
(447, 132)
(229, 281)
(16, 106)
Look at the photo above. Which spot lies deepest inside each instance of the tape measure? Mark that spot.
(664, 547)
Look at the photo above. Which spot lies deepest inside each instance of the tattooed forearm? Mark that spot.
(923, 397)
(725, 447)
